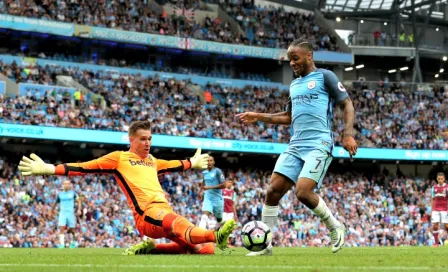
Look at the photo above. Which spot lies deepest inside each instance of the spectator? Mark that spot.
(273, 27)
(394, 117)
(208, 96)
(376, 36)
(378, 210)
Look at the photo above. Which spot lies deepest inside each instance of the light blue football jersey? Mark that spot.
(310, 102)
(212, 178)
(67, 201)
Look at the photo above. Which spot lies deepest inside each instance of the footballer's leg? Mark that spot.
(62, 223)
(218, 211)
(200, 249)
(207, 209)
(313, 172)
(204, 249)
(436, 218)
(445, 224)
(143, 248)
(161, 221)
(175, 248)
(149, 247)
(178, 226)
(71, 223)
(286, 170)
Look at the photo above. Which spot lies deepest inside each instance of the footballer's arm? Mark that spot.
(36, 166)
(104, 164)
(348, 140)
(198, 161)
(235, 215)
(164, 166)
(432, 198)
(349, 116)
(79, 205)
(222, 180)
(281, 118)
(338, 93)
(53, 207)
(219, 186)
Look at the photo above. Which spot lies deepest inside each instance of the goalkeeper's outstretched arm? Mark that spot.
(36, 166)
(198, 161)
(105, 164)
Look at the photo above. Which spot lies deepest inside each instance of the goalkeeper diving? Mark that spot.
(136, 173)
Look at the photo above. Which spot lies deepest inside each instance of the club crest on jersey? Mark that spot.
(311, 84)
(341, 87)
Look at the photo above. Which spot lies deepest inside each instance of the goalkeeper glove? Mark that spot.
(35, 166)
(199, 161)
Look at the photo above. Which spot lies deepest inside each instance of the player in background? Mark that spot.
(439, 204)
(212, 203)
(229, 196)
(67, 217)
(309, 153)
(136, 173)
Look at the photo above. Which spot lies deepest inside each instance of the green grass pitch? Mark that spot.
(284, 260)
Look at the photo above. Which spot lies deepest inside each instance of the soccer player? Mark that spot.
(67, 211)
(229, 203)
(306, 160)
(213, 202)
(136, 173)
(439, 204)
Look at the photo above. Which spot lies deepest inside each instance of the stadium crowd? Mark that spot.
(264, 26)
(389, 116)
(277, 28)
(378, 211)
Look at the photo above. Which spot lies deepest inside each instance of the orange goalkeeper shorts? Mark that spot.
(150, 223)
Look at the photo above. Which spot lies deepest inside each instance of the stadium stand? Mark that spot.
(389, 116)
(275, 27)
(136, 16)
(152, 67)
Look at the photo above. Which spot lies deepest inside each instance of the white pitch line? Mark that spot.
(271, 267)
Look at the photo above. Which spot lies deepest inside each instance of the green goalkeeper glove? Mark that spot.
(35, 166)
(199, 161)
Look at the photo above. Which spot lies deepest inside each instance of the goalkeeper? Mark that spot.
(136, 172)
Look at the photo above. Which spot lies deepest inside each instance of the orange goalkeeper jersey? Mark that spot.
(137, 177)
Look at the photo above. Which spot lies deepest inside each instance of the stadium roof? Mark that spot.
(369, 5)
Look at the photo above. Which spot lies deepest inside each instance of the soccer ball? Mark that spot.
(256, 236)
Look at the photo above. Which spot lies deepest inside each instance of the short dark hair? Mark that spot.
(136, 125)
(302, 43)
(441, 174)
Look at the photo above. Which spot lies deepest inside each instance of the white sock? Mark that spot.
(204, 221)
(269, 216)
(62, 239)
(325, 214)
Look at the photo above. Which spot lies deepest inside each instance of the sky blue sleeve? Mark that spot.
(432, 192)
(221, 177)
(334, 87)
